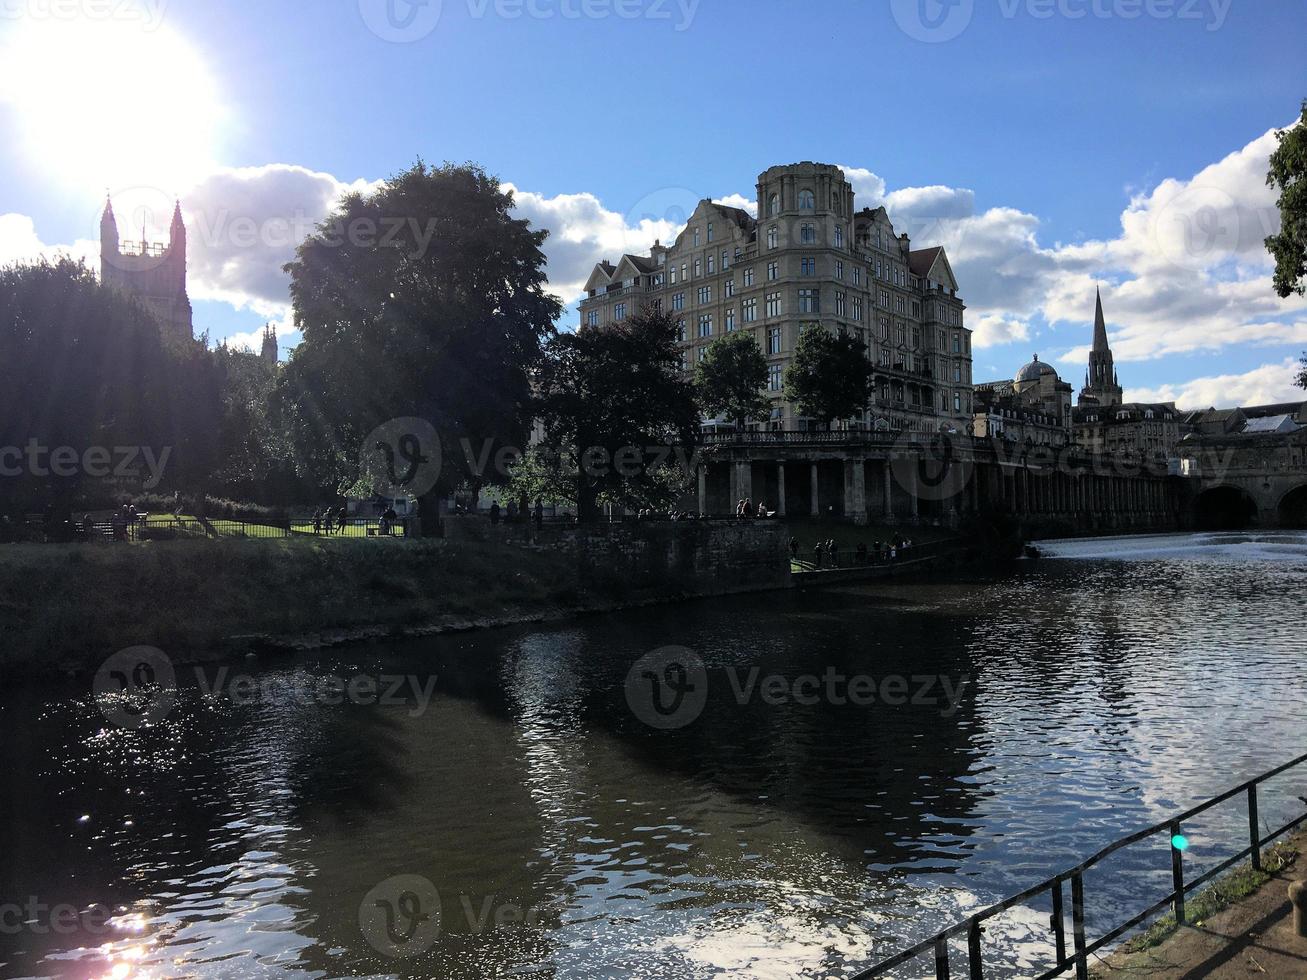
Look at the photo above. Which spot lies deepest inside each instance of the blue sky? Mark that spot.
(1049, 144)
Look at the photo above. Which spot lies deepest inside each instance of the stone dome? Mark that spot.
(1035, 370)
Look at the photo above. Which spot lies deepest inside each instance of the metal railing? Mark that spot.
(1081, 946)
(158, 527)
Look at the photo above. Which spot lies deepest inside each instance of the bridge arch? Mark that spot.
(1292, 509)
(1225, 508)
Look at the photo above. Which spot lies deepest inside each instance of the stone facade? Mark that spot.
(154, 273)
(809, 257)
(1033, 409)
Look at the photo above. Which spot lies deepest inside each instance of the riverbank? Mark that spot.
(1241, 926)
(67, 607)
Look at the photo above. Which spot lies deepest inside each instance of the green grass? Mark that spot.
(1220, 895)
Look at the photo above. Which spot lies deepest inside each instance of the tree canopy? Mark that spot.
(423, 300)
(1288, 175)
(730, 377)
(830, 377)
(614, 409)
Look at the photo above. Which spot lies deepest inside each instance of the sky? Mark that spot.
(1052, 146)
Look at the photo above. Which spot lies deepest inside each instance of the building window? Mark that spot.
(884, 328)
(730, 320)
(750, 309)
(957, 401)
(710, 231)
(840, 304)
(839, 268)
(916, 338)
(773, 205)
(710, 262)
(748, 277)
(807, 200)
(857, 309)
(774, 340)
(680, 330)
(839, 236)
(696, 236)
(773, 271)
(705, 325)
(685, 361)
(592, 318)
(775, 377)
(678, 301)
(672, 278)
(772, 235)
(705, 295)
(773, 304)
(957, 374)
(857, 275)
(807, 267)
(957, 345)
(728, 288)
(619, 312)
(698, 268)
(809, 301)
(808, 235)
(726, 259)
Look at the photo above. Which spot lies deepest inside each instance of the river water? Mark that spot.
(804, 784)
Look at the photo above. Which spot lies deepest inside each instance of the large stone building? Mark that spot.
(1105, 423)
(1032, 409)
(808, 258)
(155, 273)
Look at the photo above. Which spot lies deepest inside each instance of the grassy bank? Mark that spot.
(72, 605)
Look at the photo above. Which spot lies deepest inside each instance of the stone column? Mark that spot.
(703, 489)
(855, 491)
(888, 484)
(780, 489)
(816, 504)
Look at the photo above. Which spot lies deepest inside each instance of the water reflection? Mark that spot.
(766, 838)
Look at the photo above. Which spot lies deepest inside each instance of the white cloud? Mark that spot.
(1267, 384)
(994, 331)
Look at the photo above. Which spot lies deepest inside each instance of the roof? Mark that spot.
(921, 259)
(1271, 423)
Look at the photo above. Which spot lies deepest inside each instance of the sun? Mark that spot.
(110, 104)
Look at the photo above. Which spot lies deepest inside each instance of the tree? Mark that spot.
(1288, 174)
(614, 409)
(830, 377)
(730, 377)
(424, 300)
(97, 399)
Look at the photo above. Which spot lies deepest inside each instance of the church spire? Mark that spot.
(1100, 324)
(1102, 387)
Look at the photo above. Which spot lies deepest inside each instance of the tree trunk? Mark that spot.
(429, 514)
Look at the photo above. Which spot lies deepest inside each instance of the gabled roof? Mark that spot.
(632, 266)
(932, 263)
(601, 276)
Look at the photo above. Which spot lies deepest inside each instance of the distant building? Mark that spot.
(155, 273)
(808, 258)
(269, 350)
(1034, 408)
(1103, 422)
(1277, 419)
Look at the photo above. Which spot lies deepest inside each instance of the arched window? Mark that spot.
(773, 205)
(807, 201)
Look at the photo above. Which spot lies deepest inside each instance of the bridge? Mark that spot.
(1241, 481)
(882, 477)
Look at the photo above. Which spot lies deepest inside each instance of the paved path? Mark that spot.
(1254, 938)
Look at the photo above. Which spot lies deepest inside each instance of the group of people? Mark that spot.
(519, 511)
(745, 508)
(325, 520)
(826, 554)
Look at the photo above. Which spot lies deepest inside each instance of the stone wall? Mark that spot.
(704, 557)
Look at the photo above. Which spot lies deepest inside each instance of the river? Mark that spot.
(803, 784)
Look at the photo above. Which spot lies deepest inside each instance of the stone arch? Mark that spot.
(1225, 508)
(1292, 508)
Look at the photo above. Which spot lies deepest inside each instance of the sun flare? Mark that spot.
(109, 104)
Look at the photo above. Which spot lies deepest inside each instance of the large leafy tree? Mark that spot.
(830, 377)
(425, 299)
(614, 407)
(1288, 175)
(85, 369)
(730, 377)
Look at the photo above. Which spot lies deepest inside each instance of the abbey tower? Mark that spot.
(155, 273)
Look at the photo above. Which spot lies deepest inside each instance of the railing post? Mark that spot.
(973, 951)
(1078, 925)
(941, 958)
(1254, 832)
(1059, 923)
(1177, 874)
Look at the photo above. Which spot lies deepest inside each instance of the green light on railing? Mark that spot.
(1180, 842)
